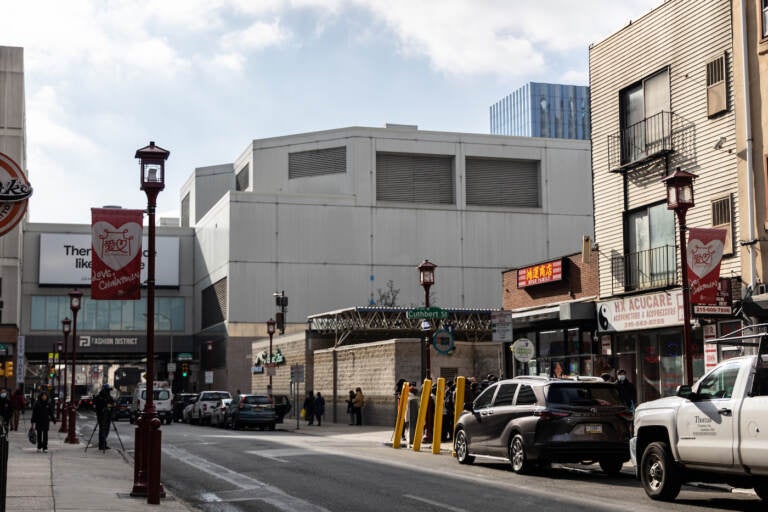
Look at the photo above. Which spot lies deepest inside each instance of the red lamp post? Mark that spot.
(75, 297)
(271, 331)
(59, 357)
(148, 437)
(680, 198)
(427, 279)
(66, 326)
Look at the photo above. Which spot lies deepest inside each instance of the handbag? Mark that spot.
(32, 435)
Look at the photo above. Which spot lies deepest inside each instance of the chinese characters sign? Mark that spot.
(546, 272)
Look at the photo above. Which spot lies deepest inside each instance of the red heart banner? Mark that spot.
(704, 252)
(116, 254)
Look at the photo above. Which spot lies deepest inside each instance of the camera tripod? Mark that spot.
(114, 427)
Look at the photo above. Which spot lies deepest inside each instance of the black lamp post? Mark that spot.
(680, 198)
(75, 297)
(66, 326)
(427, 279)
(271, 331)
(146, 469)
(59, 357)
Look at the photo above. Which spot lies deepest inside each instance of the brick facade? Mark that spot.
(580, 280)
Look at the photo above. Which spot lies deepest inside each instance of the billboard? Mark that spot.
(65, 260)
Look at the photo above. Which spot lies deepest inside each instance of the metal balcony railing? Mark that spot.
(641, 142)
(642, 270)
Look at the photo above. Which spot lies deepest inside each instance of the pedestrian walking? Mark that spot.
(42, 416)
(319, 408)
(309, 408)
(448, 408)
(627, 390)
(6, 410)
(357, 405)
(18, 404)
(351, 407)
(104, 405)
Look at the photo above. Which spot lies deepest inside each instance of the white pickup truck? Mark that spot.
(713, 431)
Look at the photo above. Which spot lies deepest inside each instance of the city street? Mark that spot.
(344, 468)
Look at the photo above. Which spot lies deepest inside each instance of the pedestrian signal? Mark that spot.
(9, 368)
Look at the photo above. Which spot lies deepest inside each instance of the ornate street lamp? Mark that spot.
(66, 326)
(271, 331)
(680, 198)
(146, 470)
(427, 279)
(75, 297)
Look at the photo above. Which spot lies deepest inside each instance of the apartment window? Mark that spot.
(717, 101)
(650, 260)
(317, 162)
(721, 219)
(243, 178)
(645, 117)
(411, 178)
(764, 8)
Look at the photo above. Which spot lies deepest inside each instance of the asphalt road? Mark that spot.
(228, 471)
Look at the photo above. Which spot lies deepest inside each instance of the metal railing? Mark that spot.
(642, 270)
(641, 142)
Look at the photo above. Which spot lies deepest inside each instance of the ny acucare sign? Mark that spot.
(14, 194)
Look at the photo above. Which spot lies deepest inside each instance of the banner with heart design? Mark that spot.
(116, 254)
(704, 252)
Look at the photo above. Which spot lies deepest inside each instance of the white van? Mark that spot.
(162, 400)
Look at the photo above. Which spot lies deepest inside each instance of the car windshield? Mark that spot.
(124, 400)
(215, 395)
(580, 394)
(159, 394)
(256, 400)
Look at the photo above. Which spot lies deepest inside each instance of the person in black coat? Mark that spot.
(309, 408)
(104, 405)
(6, 410)
(42, 415)
(627, 390)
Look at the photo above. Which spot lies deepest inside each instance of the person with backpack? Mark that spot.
(104, 405)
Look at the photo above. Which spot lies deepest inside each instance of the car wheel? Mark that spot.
(461, 446)
(517, 456)
(611, 466)
(659, 473)
(761, 488)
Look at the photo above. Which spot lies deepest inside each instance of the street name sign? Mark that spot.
(426, 313)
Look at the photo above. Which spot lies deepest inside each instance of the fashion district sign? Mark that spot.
(641, 312)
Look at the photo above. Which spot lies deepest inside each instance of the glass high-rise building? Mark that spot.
(543, 110)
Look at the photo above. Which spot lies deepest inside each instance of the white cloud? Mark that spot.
(258, 36)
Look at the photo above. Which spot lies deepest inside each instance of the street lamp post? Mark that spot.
(427, 279)
(271, 331)
(680, 198)
(58, 357)
(66, 326)
(75, 297)
(148, 438)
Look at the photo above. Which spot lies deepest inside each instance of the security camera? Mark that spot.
(719, 143)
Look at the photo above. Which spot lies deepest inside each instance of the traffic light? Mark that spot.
(52, 372)
(184, 369)
(280, 321)
(9, 368)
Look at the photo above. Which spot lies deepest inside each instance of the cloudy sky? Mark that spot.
(202, 78)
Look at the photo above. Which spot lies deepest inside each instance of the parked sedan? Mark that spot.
(251, 410)
(219, 412)
(532, 421)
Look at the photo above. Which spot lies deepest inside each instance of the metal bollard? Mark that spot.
(3, 466)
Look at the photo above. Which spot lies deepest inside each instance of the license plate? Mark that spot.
(593, 429)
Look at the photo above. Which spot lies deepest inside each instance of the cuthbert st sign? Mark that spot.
(14, 193)
(427, 313)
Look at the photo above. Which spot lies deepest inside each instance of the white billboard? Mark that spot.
(65, 259)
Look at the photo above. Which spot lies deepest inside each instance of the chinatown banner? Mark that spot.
(705, 250)
(116, 254)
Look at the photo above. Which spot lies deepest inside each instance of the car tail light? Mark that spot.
(548, 414)
(241, 405)
(627, 415)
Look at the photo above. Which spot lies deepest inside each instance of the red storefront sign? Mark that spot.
(14, 193)
(116, 254)
(546, 272)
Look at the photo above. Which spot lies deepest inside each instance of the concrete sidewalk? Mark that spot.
(69, 478)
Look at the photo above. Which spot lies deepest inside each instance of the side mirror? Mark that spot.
(686, 391)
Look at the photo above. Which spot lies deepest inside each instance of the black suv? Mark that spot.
(179, 402)
(532, 421)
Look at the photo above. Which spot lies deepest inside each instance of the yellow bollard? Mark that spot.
(423, 404)
(437, 430)
(400, 423)
(458, 404)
